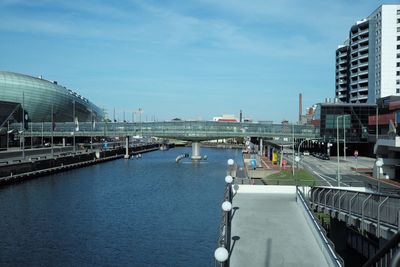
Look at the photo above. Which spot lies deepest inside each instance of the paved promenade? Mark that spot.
(270, 229)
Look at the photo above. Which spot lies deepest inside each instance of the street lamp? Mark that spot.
(297, 158)
(379, 164)
(337, 150)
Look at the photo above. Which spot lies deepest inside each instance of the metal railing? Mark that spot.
(378, 208)
(224, 238)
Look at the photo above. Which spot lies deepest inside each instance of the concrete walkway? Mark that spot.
(270, 229)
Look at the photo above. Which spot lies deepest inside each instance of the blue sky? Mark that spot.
(188, 59)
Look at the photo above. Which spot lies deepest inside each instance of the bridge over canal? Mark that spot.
(194, 131)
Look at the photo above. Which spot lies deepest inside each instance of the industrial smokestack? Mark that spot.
(300, 106)
(241, 116)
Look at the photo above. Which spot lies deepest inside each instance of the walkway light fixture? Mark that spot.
(226, 206)
(221, 254)
(228, 179)
(379, 164)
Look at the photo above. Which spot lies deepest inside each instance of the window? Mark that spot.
(398, 12)
(398, 64)
(397, 91)
(398, 20)
(398, 73)
(398, 38)
(398, 29)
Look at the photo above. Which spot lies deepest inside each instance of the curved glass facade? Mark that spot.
(39, 96)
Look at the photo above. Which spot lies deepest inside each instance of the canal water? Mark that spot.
(146, 212)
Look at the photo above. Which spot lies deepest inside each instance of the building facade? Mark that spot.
(346, 121)
(39, 97)
(368, 63)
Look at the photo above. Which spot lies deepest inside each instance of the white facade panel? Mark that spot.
(388, 50)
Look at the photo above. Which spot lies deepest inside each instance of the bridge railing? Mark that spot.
(180, 128)
(379, 208)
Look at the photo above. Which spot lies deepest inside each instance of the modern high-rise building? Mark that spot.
(368, 63)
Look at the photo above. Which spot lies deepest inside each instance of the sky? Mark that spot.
(189, 59)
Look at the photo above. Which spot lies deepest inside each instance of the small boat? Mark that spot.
(164, 147)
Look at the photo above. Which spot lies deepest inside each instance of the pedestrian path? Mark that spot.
(269, 228)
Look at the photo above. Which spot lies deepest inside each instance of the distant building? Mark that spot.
(308, 117)
(226, 118)
(368, 63)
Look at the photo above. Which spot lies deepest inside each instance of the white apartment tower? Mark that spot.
(368, 63)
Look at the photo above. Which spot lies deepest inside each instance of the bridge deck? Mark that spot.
(271, 230)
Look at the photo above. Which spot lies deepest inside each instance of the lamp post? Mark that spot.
(8, 133)
(337, 150)
(379, 164)
(344, 137)
(297, 158)
(22, 125)
(74, 124)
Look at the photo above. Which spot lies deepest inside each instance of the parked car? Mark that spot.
(306, 153)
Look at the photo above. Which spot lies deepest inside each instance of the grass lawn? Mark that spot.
(302, 177)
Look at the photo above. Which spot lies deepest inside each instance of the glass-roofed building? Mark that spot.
(38, 97)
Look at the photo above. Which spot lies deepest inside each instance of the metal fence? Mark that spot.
(378, 208)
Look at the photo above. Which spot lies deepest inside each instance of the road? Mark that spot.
(326, 172)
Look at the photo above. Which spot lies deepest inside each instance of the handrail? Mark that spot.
(343, 189)
(351, 201)
(340, 199)
(378, 224)
(326, 195)
(355, 203)
(363, 212)
(391, 244)
(333, 199)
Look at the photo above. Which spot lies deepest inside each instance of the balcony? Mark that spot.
(363, 31)
(353, 82)
(361, 49)
(362, 97)
(363, 56)
(363, 64)
(365, 72)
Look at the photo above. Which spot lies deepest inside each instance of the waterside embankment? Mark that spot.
(17, 170)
